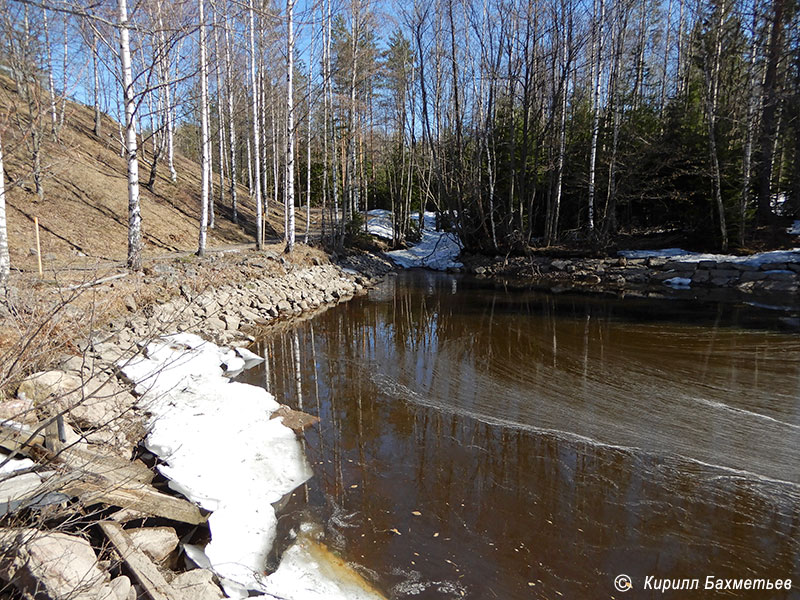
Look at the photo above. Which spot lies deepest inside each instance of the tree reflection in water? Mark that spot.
(511, 444)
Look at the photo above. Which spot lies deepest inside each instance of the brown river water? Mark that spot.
(481, 442)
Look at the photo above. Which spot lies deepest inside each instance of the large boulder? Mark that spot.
(156, 542)
(55, 566)
(197, 585)
(90, 403)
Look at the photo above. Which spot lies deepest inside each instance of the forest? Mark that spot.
(521, 124)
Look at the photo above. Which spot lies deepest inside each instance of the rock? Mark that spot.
(753, 276)
(774, 267)
(678, 265)
(130, 303)
(780, 275)
(591, 279)
(18, 409)
(90, 403)
(197, 584)
(215, 323)
(231, 322)
(53, 565)
(122, 588)
(559, 265)
(701, 275)
(156, 542)
(479, 270)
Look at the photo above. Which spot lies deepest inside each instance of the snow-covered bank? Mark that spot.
(437, 250)
(222, 451)
(754, 260)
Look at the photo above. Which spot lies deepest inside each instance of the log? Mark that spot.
(138, 497)
(97, 479)
(141, 567)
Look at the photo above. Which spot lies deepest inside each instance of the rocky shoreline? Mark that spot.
(80, 422)
(705, 278)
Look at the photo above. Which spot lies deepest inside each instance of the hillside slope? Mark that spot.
(83, 216)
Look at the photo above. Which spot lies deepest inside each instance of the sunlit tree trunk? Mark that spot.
(205, 185)
(256, 131)
(50, 81)
(134, 214)
(5, 261)
(290, 133)
(96, 89)
(231, 123)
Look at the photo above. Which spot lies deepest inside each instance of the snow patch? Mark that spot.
(754, 260)
(678, 283)
(222, 451)
(794, 229)
(437, 250)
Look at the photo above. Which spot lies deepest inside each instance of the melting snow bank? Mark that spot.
(223, 452)
(437, 250)
(753, 260)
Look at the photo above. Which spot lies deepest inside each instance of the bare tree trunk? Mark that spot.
(96, 90)
(170, 118)
(64, 81)
(290, 134)
(551, 232)
(231, 123)
(134, 214)
(768, 114)
(597, 47)
(308, 140)
(256, 132)
(352, 184)
(205, 193)
(750, 124)
(711, 69)
(665, 65)
(50, 81)
(5, 261)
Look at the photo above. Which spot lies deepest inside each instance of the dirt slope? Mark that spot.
(83, 216)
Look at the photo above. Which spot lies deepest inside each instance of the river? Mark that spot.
(483, 442)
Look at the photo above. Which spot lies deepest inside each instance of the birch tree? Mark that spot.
(5, 261)
(256, 132)
(290, 133)
(135, 243)
(205, 193)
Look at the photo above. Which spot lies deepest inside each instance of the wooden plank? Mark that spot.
(141, 567)
(77, 456)
(96, 479)
(25, 442)
(139, 497)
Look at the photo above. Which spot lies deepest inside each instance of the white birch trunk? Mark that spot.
(50, 82)
(96, 98)
(231, 124)
(598, 77)
(205, 195)
(5, 261)
(290, 137)
(256, 132)
(134, 213)
(64, 75)
(220, 120)
(308, 140)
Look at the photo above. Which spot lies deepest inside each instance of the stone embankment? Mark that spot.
(737, 277)
(69, 436)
